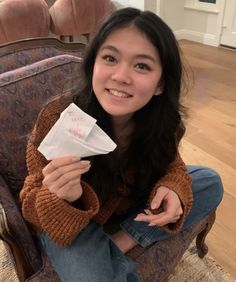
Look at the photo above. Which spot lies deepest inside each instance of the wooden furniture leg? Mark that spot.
(202, 248)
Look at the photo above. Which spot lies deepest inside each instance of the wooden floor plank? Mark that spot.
(192, 154)
(210, 138)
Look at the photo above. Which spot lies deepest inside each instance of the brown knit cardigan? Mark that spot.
(63, 221)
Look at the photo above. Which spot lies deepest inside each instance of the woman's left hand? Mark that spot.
(171, 211)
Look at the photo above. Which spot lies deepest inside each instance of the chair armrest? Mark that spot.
(46, 273)
(156, 262)
(15, 232)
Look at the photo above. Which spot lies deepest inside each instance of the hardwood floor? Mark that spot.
(211, 136)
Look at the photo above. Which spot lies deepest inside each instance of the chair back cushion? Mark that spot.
(76, 17)
(21, 19)
(25, 52)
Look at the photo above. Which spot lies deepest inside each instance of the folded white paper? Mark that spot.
(75, 134)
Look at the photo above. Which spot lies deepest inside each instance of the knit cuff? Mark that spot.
(61, 221)
(28, 194)
(28, 210)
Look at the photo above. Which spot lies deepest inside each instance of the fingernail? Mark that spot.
(154, 206)
(151, 224)
(85, 162)
(148, 212)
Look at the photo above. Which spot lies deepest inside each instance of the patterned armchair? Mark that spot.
(31, 72)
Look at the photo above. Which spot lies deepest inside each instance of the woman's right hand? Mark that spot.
(62, 177)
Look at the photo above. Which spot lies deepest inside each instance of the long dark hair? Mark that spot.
(158, 125)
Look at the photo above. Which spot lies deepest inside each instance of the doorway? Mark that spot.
(228, 36)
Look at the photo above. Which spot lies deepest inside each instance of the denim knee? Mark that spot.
(218, 190)
(208, 182)
(207, 193)
(91, 257)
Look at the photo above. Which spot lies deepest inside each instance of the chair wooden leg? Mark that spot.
(71, 38)
(202, 248)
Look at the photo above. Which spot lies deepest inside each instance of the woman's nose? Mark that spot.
(122, 74)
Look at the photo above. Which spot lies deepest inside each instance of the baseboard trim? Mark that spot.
(205, 38)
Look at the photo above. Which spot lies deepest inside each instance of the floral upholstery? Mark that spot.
(26, 52)
(156, 262)
(37, 76)
(23, 92)
(20, 237)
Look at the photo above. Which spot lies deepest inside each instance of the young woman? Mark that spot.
(89, 213)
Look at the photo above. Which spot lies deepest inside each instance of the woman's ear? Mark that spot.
(159, 88)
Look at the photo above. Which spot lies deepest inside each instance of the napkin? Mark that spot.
(75, 134)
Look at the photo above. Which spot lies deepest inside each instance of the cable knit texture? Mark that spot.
(63, 221)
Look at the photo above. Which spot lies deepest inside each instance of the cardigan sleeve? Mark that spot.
(178, 180)
(60, 220)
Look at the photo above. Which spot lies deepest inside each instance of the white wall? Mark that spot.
(192, 20)
(172, 12)
(204, 23)
(132, 3)
(151, 5)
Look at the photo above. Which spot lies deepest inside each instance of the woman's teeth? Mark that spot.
(119, 94)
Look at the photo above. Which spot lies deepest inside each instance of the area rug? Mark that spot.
(193, 269)
(7, 265)
(190, 269)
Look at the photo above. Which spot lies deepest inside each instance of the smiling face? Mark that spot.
(126, 73)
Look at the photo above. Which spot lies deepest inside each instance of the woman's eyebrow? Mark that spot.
(110, 47)
(139, 56)
(146, 56)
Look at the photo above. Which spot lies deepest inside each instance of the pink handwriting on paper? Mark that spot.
(75, 128)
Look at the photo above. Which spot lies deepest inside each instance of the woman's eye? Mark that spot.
(108, 58)
(142, 66)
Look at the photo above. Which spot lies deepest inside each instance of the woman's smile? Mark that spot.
(118, 93)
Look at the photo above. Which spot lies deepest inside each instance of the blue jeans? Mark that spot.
(93, 257)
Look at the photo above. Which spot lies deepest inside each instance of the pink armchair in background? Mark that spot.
(21, 19)
(77, 17)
